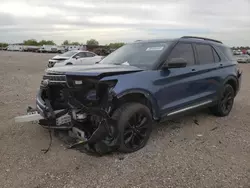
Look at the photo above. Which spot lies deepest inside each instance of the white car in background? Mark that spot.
(244, 58)
(74, 57)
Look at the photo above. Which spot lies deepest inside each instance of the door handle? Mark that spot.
(193, 70)
(220, 66)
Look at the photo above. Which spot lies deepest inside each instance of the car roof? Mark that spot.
(155, 40)
(76, 51)
(185, 39)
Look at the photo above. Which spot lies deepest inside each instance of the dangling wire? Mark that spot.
(50, 142)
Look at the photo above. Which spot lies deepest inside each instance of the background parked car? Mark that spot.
(237, 52)
(48, 49)
(75, 57)
(15, 48)
(3, 48)
(248, 52)
(30, 48)
(244, 58)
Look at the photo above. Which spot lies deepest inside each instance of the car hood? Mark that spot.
(58, 57)
(96, 70)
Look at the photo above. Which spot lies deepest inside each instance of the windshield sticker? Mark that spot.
(125, 63)
(155, 48)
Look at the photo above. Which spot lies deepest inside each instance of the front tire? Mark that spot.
(134, 121)
(225, 103)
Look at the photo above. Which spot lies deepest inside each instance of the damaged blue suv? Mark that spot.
(112, 105)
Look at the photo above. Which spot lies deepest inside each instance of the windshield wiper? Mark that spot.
(116, 63)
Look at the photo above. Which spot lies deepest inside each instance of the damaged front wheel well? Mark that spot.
(133, 97)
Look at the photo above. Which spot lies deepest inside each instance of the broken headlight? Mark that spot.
(109, 84)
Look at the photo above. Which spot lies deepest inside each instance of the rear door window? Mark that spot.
(205, 54)
(227, 52)
(80, 54)
(89, 54)
(184, 51)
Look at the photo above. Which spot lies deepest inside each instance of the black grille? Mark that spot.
(52, 86)
(55, 78)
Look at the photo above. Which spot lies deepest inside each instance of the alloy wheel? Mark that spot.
(227, 100)
(136, 131)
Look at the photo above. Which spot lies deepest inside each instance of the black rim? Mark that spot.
(135, 131)
(227, 100)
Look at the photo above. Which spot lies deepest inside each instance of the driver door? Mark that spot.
(179, 87)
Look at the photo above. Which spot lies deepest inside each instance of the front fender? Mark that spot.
(148, 95)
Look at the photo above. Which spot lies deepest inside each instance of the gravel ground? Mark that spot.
(209, 152)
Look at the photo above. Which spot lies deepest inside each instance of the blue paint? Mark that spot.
(166, 89)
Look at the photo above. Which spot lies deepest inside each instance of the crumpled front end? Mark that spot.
(81, 105)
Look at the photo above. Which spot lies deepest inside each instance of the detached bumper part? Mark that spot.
(99, 134)
(28, 118)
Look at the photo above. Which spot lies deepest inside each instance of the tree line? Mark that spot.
(241, 48)
(91, 42)
(94, 42)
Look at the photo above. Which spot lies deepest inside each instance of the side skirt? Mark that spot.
(187, 109)
(190, 108)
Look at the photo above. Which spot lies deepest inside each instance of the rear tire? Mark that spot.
(225, 103)
(134, 121)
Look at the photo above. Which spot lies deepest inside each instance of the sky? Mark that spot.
(124, 20)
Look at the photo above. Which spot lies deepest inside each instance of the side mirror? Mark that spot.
(175, 63)
(77, 57)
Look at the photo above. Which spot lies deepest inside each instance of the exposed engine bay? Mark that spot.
(81, 106)
(86, 103)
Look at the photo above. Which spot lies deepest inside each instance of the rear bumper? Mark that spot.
(239, 77)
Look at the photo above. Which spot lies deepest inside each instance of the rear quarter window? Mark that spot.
(216, 56)
(227, 52)
(89, 54)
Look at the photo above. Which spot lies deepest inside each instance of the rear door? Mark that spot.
(192, 86)
(208, 70)
(90, 58)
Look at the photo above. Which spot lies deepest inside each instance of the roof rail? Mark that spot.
(186, 37)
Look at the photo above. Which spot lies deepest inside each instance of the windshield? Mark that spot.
(142, 55)
(68, 54)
